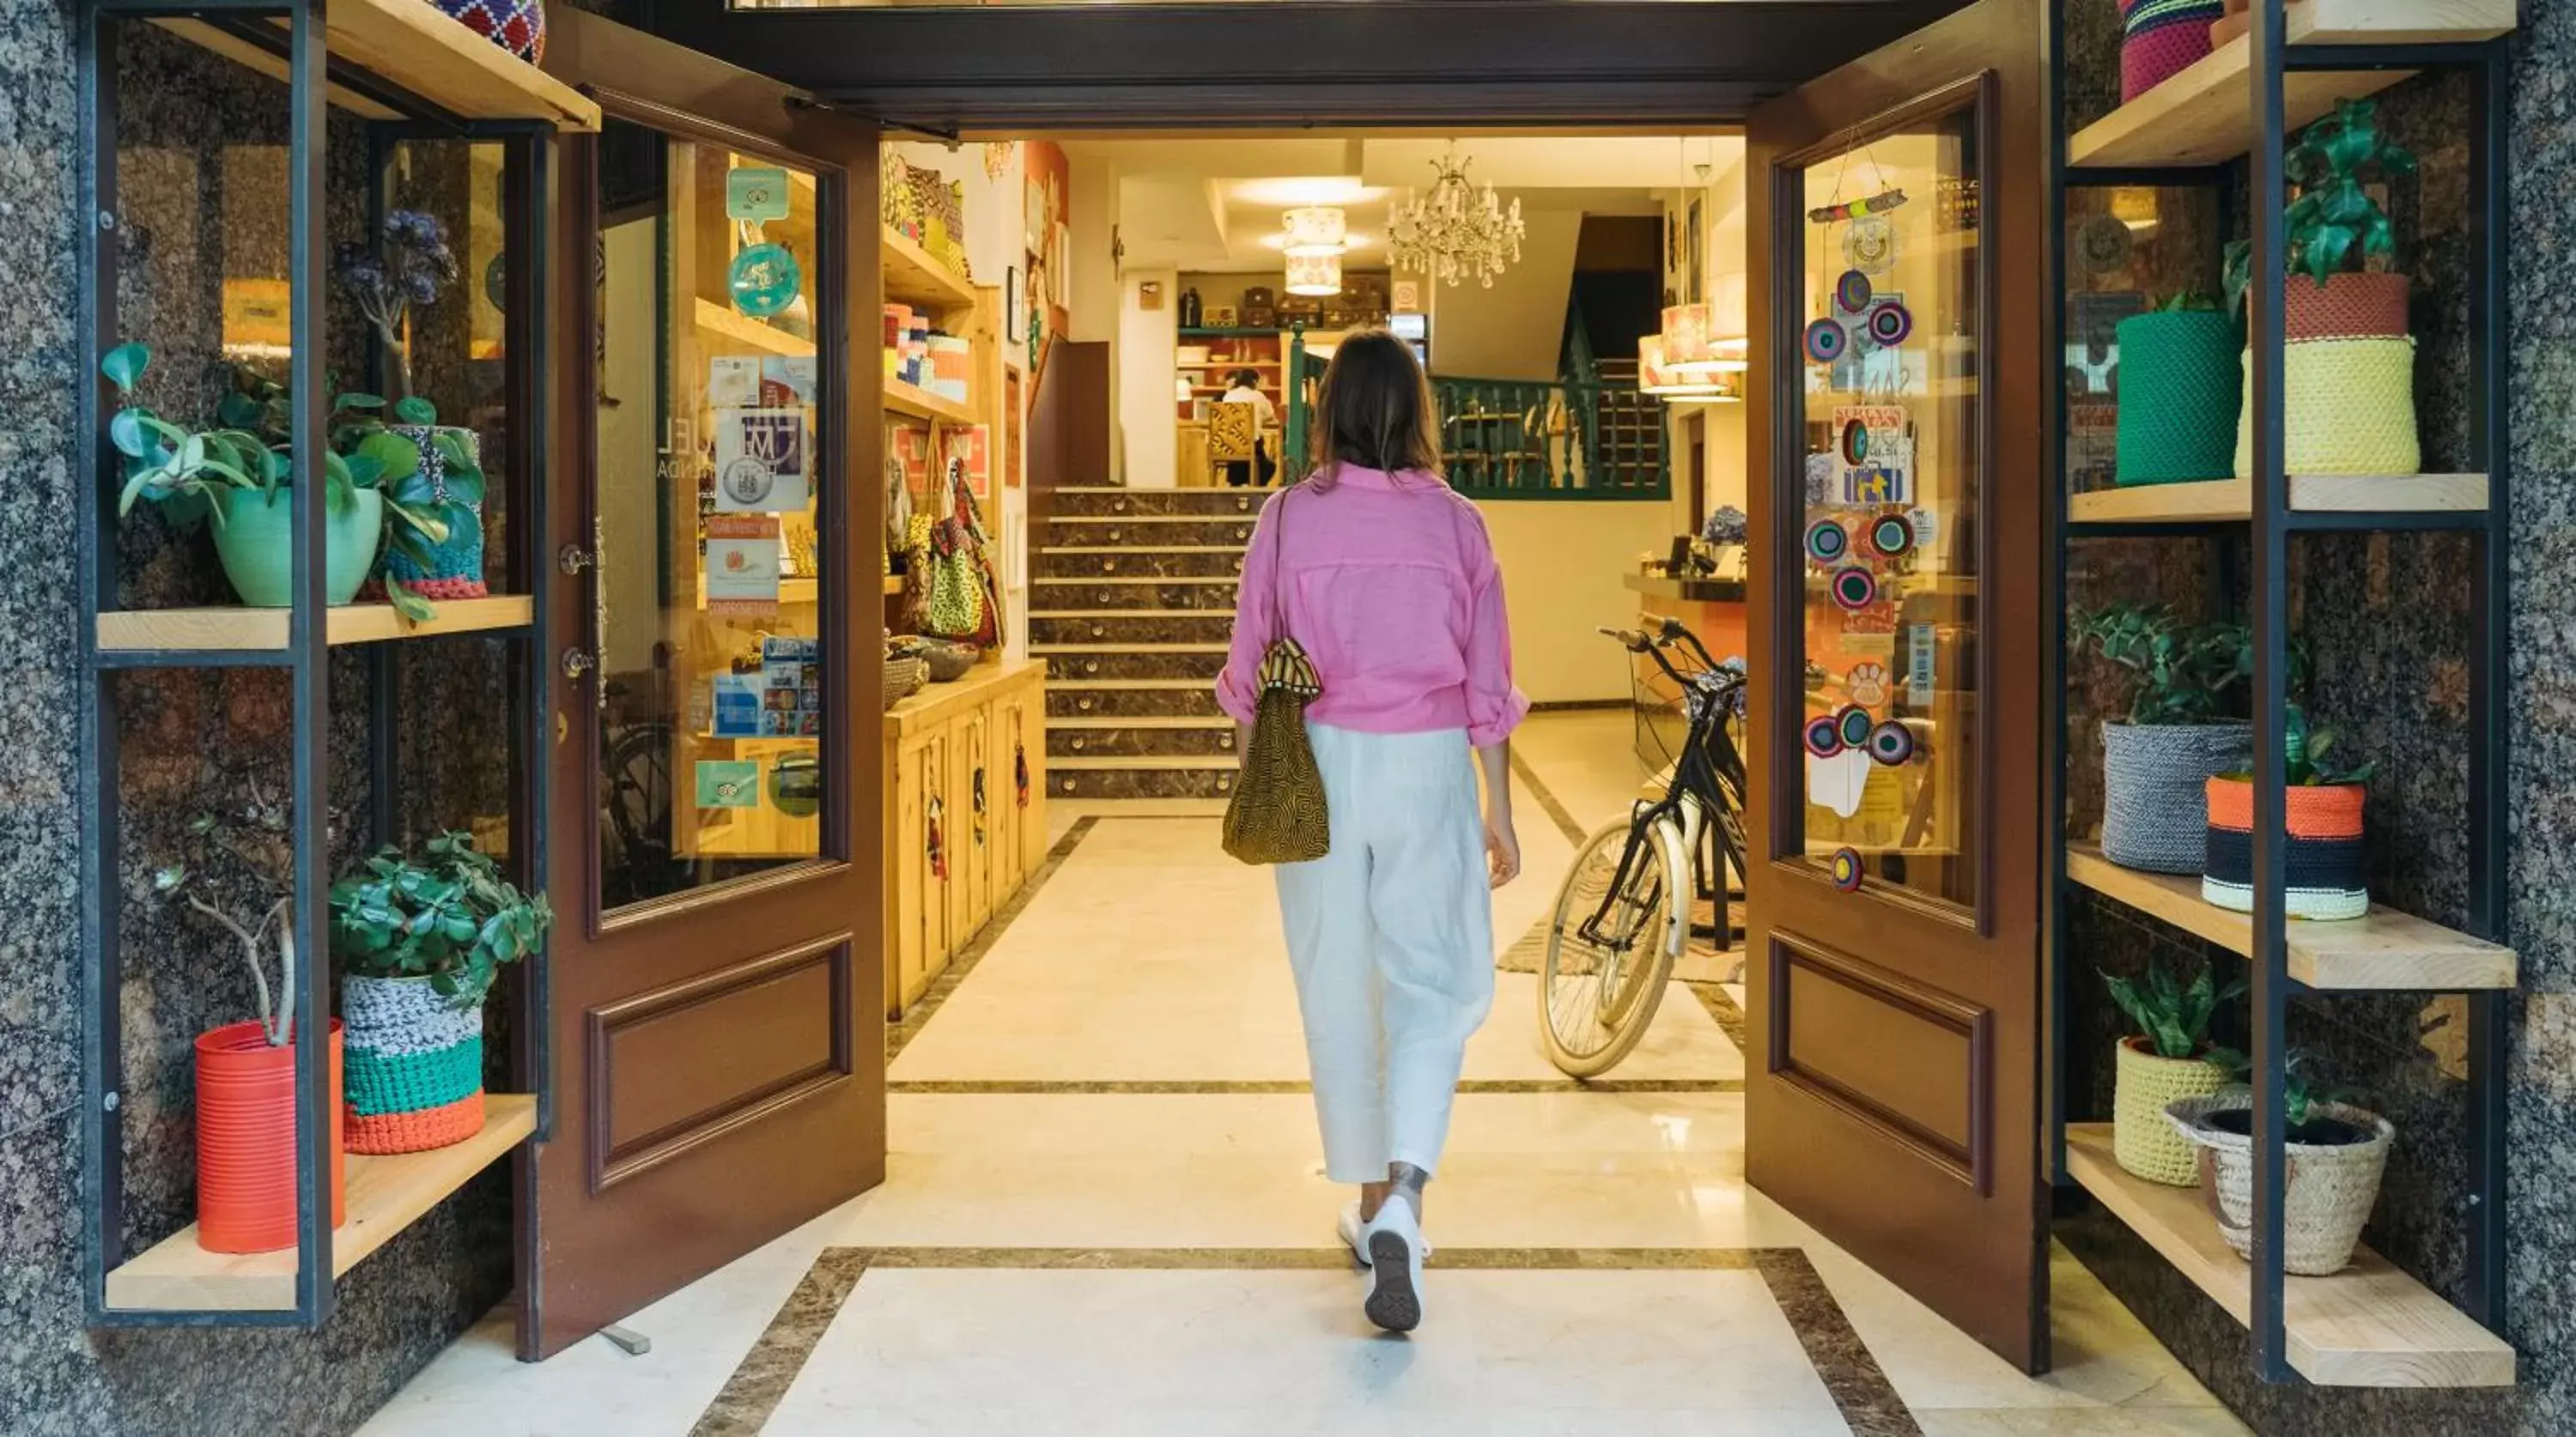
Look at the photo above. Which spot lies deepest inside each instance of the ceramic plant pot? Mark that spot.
(2144, 1085)
(2348, 370)
(2154, 783)
(253, 543)
(2159, 39)
(246, 1140)
(2181, 383)
(415, 1066)
(455, 568)
(2328, 877)
(2335, 1161)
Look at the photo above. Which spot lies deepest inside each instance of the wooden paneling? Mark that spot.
(1886, 1050)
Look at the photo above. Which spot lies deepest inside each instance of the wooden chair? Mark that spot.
(1233, 432)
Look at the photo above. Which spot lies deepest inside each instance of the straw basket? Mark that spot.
(904, 678)
(2145, 1085)
(2327, 1192)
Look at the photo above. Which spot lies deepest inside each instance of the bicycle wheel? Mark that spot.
(1608, 953)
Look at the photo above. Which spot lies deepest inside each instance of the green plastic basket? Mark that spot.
(2180, 386)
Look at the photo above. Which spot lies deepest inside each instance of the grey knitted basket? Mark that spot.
(2155, 805)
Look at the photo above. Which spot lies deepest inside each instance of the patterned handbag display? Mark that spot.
(1277, 813)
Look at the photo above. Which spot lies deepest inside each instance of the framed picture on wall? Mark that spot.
(1015, 299)
(1692, 258)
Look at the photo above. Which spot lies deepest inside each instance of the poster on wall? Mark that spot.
(1873, 454)
(742, 564)
(971, 449)
(786, 380)
(733, 381)
(737, 706)
(760, 460)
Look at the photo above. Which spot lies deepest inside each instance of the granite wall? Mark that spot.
(2388, 617)
(202, 149)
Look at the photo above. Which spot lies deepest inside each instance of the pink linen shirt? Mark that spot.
(1392, 587)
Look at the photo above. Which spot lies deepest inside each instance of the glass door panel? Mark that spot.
(1892, 430)
(710, 591)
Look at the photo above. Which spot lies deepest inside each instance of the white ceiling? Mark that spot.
(1214, 205)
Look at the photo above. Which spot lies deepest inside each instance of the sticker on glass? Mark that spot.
(1873, 454)
(755, 193)
(760, 461)
(1827, 541)
(728, 783)
(733, 381)
(1836, 781)
(763, 280)
(1867, 684)
(742, 564)
(1919, 658)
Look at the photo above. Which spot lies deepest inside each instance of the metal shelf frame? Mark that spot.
(2272, 522)
(295, 32)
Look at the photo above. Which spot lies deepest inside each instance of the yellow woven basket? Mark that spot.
(2348, 407)
(2141, 1139)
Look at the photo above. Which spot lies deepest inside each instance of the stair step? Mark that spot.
(1140, 548)
(1130, 648)
(1172, 685)
(1126, 614)
(1165, 722)
(1129, 763)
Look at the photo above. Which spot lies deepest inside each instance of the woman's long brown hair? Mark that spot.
(1376, 409)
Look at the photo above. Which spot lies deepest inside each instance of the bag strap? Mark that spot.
(1279, 571)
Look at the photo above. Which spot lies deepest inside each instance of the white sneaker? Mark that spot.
(1354, 1232)
(1394, 1255)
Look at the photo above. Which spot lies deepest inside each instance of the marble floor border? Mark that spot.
(1722, 1011)
(1244, 1087)
(1548, 802)
(900, 1035)
(1862, 1393)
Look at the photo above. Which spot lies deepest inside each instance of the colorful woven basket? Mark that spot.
(2161, 38)
(518, 26)
(415, 1066)
(2328, 877)
(2144, 1083)
(2347, 407)
(2180, 386)
(455, 570)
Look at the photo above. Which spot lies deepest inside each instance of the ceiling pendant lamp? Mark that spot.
(1315, 229)
(1317, 274)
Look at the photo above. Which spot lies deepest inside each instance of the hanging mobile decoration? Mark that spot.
(1826, 340)
(1889, 322)
(1827, 541)
(1852, 724)
(1846, 870)
(1869, 246)
(1891, 743)
(1891, 535)
(1855, 588)
(1824, 736)
(1851, 292)
(1877, 204)
(1855, 442)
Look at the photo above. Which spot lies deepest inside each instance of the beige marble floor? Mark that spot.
(1149, 956)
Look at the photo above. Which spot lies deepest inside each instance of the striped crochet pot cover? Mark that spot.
(2327, 876)
(2161, 38)
(2348, 370)
(415, 1066)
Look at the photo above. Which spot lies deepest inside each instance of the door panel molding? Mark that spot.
(728, 1000)
(1879, 1016)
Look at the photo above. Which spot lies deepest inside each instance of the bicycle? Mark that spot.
(1623, 915)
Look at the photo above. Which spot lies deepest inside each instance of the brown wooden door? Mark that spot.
(717, 975)
(1898, 447)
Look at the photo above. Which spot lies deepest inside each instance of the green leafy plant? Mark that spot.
(2301, 1088)
(2189, 301)
(2180, 672)
(2172, 1018)
(447, 915)
(2312, 754)
(234, 875)
(2334, 224)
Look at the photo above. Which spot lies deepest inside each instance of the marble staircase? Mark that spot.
(1131, 602)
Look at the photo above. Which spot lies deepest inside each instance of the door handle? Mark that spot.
(577, 662)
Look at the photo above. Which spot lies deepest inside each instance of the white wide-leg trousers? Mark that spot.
(1391, 937)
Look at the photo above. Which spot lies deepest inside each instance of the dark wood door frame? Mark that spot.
(1298, 63)
(611, 1228)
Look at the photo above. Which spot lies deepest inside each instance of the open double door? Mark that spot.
(716, 1038)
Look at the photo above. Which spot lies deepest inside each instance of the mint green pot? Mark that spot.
(252, 542)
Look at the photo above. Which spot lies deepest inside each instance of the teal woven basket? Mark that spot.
(2180, 386)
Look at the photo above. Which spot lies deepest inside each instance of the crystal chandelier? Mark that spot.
(1453, 232)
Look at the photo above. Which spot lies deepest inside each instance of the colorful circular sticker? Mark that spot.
(1826, 340)
(1827, 541)
(1824, 736)
(1851, 292)
(1891, 535)
(764, 280)
(1852, 724)
(1891, 743)
(1855, 588)
(1846, 870)
(1867, 684)
(1889, 323)
(1855, 442)
(1870, 244)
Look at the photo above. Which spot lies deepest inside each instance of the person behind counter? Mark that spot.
(1244, 387)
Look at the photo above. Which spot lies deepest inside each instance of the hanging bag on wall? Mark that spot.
(1277, 812)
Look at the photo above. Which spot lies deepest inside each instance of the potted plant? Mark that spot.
(2348, 392)
(2180, 388)
(2164, 1061)
(2328, 877)
(2155, 764)
(2336, 1153)
(245, 1072)
(407, 269)
(2161, 38)
(419, 939)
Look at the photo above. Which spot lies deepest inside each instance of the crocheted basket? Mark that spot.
(2160, 39)
(2346, 306)
(518, 26)
(415, 1066)
(2144, 1084)
(2328, 877)
(2180, 387)
(2154, 813)
(2348, 407)
(2326, 1195)
(455, 570)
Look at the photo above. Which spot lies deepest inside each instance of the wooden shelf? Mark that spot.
(2367, 1326)
(418, 49)
(2205, 114)
(385, 1195)
(2216, 500)
(903, 398)
(914, 277)
(742, 329)
(180, 630)
(2384, 950)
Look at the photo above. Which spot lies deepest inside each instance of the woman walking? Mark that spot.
(1388, 579)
